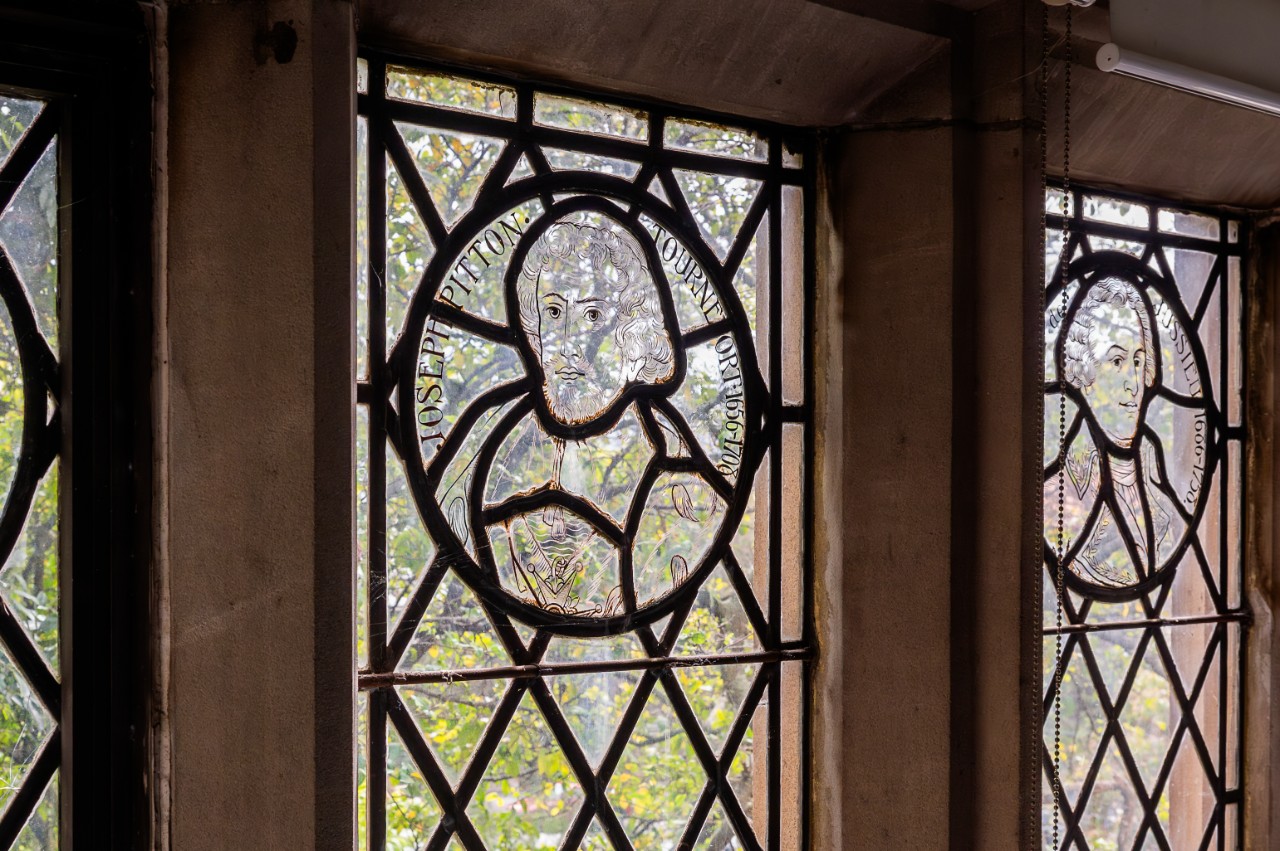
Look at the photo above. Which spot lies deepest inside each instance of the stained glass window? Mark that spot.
(583, 443)
(30, 435)
(1143, 494)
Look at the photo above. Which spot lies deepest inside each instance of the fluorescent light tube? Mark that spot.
(1112, 58)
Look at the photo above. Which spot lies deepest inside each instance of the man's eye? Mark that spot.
(553, 311)
(592, 314)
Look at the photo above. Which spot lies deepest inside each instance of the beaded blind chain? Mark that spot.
(1061, 543)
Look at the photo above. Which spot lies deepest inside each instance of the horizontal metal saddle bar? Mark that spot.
(1071, 628)
(559, 669)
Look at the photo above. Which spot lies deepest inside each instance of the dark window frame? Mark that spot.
(92, 61)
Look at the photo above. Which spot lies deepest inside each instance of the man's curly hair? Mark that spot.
(1079, 363)
(641, 334)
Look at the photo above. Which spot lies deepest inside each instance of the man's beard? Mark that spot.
(576, 401)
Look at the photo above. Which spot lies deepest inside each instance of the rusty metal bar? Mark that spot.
(1237, 616)
(559, 669)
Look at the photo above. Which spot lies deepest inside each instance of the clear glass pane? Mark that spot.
(791, 157)
(561, 160)
(1233, 699)
(1235, 352)
(453, 717)
(529, 794)
(41, 830)
(451, 92)
(751, 544)
(409, 248)
(29, 235)
(596, 839)
(362, 535)
(716, 693)
(790, 794)
(747, 775)
(1055, 201)
(1234, 477)
(1198, 287)
(1112, 812)
(586, 116)
(717, 832)
(11, 403)
(794, 516)
(455, 633)
(751, 283)
(715, 139)
(452, 166)
(409, 548)
(719, 205)
(24, 727)
(362, 249)
(412, 811)
(1189, 224)
(717, 623)
(1188, 802)
(29, 579)
(362, 768)
(1128, 246)
(658, 748)
(794, 339)
(594, 704)
(1117, 211)
(16, 115)
(1052, 255)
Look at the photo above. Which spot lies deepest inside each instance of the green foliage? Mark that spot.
(29, 579)
(450, 92)
(16, 115)
(1148, 719)
(590, 117)
(41, 830)
(714, 139)
(529, 794)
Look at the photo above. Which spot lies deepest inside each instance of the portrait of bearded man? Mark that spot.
(590, 310)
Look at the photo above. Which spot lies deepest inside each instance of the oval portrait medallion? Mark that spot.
(581, 397)
(1140, 420)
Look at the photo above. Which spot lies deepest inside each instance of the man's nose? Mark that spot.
(568, 345)
(1131, 379)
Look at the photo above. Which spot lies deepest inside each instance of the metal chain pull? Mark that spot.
(1063, 262)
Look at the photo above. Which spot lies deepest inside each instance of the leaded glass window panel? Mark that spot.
(30, 434)
(1143, 502)
(583, 434)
